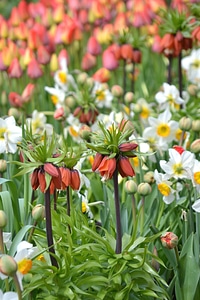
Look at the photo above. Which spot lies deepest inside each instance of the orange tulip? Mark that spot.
(124, 167)
(75, 180)
(107, 167)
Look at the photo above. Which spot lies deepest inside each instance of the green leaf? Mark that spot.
(18, 238)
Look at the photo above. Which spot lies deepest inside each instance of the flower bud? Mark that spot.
(128, 97)
(196, 125)
(117, 91)
(192, 89)
(38, 212)
(85, 132)
(13, 111)
(149, 177)
(70, 101)
(195, 146)
(3, 219)
(8, 265)
(81, 78)
(169, 240)
(3, 165)
(130, 186)
(137, 108)
(185, 123)
(144, 189)
(155, 264)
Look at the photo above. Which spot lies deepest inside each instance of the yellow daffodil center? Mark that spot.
(135, 162)
(172, 102)
(83, 207)
(2, 131)
(62, 77)
(196, 63)
(73, 132)
(197, 177)
(145, 112)
(54, 99)
(164, 189)
(41, 258)
(127, 110)
(36, 124)
(178, 169)
(24, 265)
(100, 94)
(163, 130)
(179, 134)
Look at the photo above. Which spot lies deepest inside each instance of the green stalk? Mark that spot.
(117, 213)
(18, 289)
(49, 228)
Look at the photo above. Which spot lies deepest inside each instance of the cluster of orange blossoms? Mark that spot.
(106, 165)
(61, 178)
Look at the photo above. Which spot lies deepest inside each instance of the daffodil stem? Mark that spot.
(68, 204)
(32, 231)
(1, 241)
(142, 216)
(133, 79)
(124, 76)
(49, 228)
(177, 254)
(180, 77)
(169, 74)
(18, 289)
(117, 212)
(133, 209)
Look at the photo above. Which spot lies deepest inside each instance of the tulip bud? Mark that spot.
(195, 146)
(185, 123)
(130, 186)
(38, 212)
(149, 177)
(3, 219)
(8, 265)
(169, 240)
(196, 125)
(144, 189)
(128, 97)
(3, 165)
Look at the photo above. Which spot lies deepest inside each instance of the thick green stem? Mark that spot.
(180, 77)
(49, 228)
(17, 285)
(117, 212)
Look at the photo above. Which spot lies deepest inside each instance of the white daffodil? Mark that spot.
(63, 78)
(8, 296)
(196, 206)
(57, 95)
(84, 205)
(191, 64)
(179, 165)
(162, 130)
(24, 254)
(7, 239)
(10, 135)
(169, 97)
(38, 123)
(103, 97)
(73, 128)
(195, 175)
(164, 187)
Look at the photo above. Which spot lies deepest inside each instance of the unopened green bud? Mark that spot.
(144, 189)
(185, 123)
(14, 112)
(8, 265)
(81, 78)
(38, 212)
(130, 186)
(90, 82)
(129, 68)
(128, 97)
(149, 177)
(70, 101)
(196, 125)
(3, 219)
(4, 99)
(3, 165)
(195, 146)
(137, 108)
(192, 89)
(169, 240)
(85, 132)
